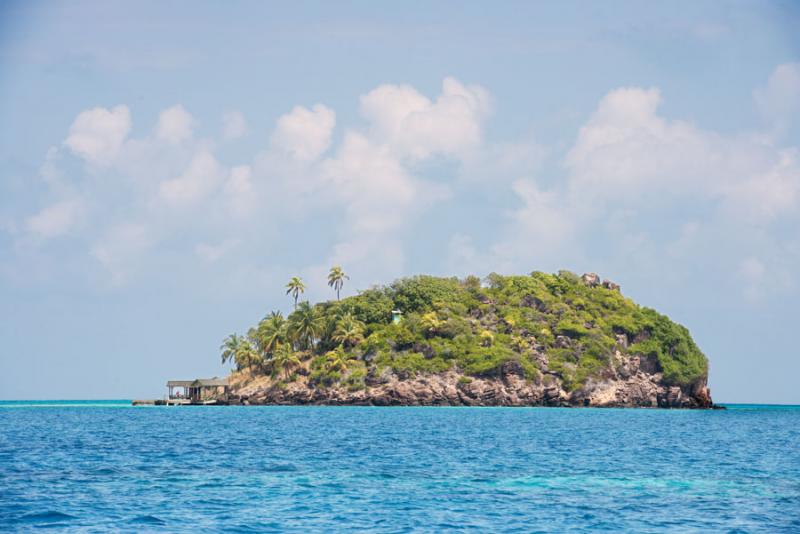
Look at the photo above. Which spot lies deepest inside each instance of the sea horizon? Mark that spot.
(79, 402)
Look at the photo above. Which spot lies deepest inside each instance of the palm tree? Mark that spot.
(336, 279)
(230, 347)
(271, 332)
(246, 355)
(285, 359)
(305, 325)
(336, 360)
(349, 331)
(295, 287)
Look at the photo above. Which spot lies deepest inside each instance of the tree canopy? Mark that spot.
(552, 325)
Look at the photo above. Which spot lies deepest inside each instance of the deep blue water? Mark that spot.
(108, 466)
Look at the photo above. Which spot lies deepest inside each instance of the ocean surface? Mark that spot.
(107, 466)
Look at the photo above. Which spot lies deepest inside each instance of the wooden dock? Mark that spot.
(177, 402)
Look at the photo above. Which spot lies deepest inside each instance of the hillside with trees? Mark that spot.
(538, 339)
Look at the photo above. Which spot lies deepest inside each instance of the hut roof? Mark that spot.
(210, 382)
(198, 382)
(179, 383)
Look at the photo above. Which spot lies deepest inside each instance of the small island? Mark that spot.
(531, 340)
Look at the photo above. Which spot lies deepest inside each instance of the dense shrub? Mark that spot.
(475, 328)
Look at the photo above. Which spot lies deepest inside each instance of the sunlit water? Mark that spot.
(108, 466)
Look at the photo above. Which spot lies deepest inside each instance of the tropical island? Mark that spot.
(536, 340)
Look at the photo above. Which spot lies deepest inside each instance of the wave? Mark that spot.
(46, 517)
(147, 520)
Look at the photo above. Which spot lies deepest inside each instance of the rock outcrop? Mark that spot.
(631, 386)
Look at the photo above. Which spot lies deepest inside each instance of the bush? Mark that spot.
(479, 327)
(370, 306)
(486, 361)
(412, 363)
(571, 328)
(681, 360)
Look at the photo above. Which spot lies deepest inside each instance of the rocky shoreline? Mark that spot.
(635, 385)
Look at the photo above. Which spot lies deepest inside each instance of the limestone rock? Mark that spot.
(608, 284)
(630, 381)
(591, 279)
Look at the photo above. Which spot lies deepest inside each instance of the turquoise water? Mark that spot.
(97, 466)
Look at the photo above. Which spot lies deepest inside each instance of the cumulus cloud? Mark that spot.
(629, 154)
(412, 125)
(626, 149)
(234, 125)
(770, 194)
(381, 198)
(305, 133)
(633, 179)
(376, 188)
(174, 125)
(372, 177)
(55, 220)
(635, 186)
(199, 179)
(239, 190)
(542, 229)
(97, 134)
(779, 99)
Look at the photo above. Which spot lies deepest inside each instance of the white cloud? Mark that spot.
(631, 179)
(370, 177)
(234, 125)
(779, 100)
(57, 219)
(544, 228)
(97, 134)
(199, 179)
(50, 171)
(174, 125)
(239, 189)
(627, 154)
(239, 181)
(377, 189)
(768, 195)
(637, 187)
(305, 133)
(411, 125)
(626, 149)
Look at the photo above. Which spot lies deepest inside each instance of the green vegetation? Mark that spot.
(295, 288)
(548, 325)
(336, 279)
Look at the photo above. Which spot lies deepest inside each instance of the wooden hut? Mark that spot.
(198, 390)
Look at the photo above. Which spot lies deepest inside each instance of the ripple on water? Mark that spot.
(281, 468)
(393, 470)
(48, 517)
(147, 520)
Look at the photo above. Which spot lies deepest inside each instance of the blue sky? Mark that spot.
(166, 167)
